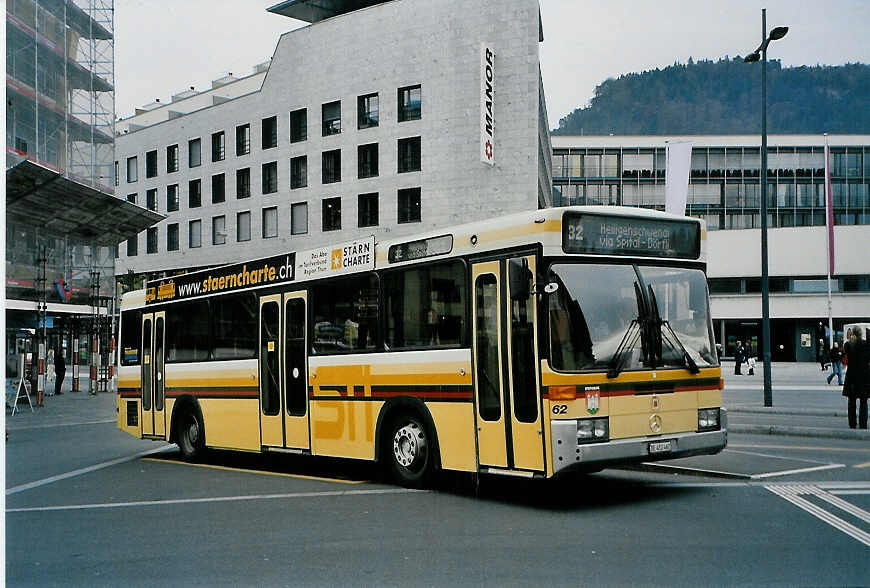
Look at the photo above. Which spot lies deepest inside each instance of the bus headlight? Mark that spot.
(592, 430)
(708, 419)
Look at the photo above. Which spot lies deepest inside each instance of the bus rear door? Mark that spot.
(283, 372)
(507, 394)
(153, 374)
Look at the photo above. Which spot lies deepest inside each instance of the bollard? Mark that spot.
(95, 363)
(75, 370)
(40, 375)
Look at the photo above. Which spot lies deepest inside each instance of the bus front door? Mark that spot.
(507, 394)
(283, 371)
(153, 374)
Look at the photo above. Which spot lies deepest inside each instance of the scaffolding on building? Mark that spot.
(60, 107)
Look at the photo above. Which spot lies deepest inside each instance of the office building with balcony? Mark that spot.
(724, 190)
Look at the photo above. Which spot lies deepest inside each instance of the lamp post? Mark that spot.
(761, 54)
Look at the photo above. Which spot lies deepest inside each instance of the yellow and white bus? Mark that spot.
(530, 345)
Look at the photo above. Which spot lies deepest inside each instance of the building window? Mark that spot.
(133, 246)
(131, 198)
(194, 153)
(299, 218)
(151, 199)
(331, 166)
(367, 160)
(194, 234)
(409, 154)
(132, 169)
(332, 214)
(117, 174)
(218, 189)
(298, 172)
(368, 210)
(151, 164)
(172, 198)
(243, 226)
(367, 111)
(218, 230)
(270, 177)
(194, 194)
(270, 132)
(151, 240)
(218, 146)
(298, 125)
(409, 205)
(243, 139)
(243, 183)
(410, 99)
(172, 237)
(332, 118)
(172, 159)
(270, 222)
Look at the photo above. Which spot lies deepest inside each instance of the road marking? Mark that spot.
(30, 427)
(333, 493)
(793, 495)
(87, 470)
(803, 447)
(777, 456)
(866, 464)
(249, 471)
(830, 466)
(850, 492)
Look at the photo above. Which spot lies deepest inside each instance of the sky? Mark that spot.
(164, 46)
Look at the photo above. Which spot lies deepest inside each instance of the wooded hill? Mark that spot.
(724, 97)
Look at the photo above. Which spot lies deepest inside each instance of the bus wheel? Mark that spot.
(410, 451)
(190, 435)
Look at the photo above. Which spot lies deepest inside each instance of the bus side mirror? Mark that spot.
(520, 279)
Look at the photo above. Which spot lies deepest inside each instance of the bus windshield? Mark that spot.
(601, 315)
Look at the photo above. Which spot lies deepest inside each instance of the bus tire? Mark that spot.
(191, 435)
(410, 450)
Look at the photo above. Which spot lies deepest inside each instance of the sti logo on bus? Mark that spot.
(487, 120)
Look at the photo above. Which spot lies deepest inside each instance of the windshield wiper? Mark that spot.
(674, 342)
(627, 342)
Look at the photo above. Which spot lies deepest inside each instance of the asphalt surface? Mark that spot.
(87, 505)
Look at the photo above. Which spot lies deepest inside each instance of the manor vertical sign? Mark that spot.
(487, 120)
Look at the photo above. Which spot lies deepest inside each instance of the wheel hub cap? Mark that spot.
(409, 444)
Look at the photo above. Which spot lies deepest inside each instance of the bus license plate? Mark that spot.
(660, 446)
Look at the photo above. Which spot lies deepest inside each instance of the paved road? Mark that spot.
(86, 508)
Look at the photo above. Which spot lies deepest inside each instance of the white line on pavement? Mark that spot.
(792, 494)
(729, 450)
(87, 470)
(217, 499)
(52, 426)
(830, 466)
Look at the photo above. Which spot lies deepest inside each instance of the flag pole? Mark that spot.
(829, 237)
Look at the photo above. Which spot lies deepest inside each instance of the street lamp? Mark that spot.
(761, 54)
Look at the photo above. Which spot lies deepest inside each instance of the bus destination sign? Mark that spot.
(625, 235)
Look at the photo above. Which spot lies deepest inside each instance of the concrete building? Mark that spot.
(724, 190)
(62, 219)
(373, 119)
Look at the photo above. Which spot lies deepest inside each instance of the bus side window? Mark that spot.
(345, 315)
(425, 306)
(131, 337)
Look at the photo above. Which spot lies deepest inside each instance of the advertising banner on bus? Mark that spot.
(353, 256)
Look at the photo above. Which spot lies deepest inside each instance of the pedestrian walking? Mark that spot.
(739, 357)
(59, 370)
(836, 358)
(822, 355)
(857, 385)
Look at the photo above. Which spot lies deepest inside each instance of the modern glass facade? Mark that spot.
(724, 184)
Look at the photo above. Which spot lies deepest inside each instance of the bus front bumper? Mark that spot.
(568, 454)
